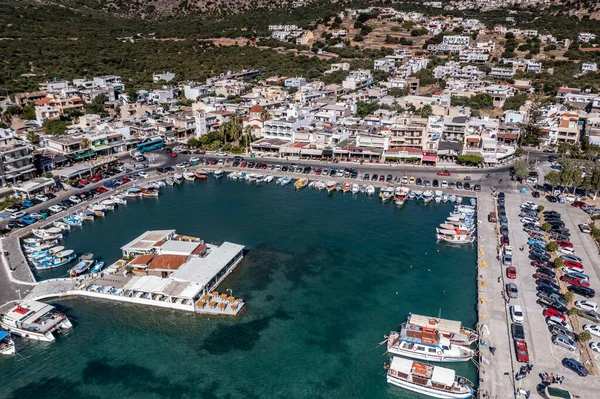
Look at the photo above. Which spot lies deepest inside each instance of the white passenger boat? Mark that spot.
(108, 204)
(454, 236)
(438, 196)
(370, 191)
(355, 188)
(427, 344)
(34, 320)
(451, 329)
(7, 346)
(218, 173)
(426, 379)
(48, 234)
(400, 195)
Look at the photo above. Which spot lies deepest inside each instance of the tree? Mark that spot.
(546, 226)
(28, 113)
(522, 170)
(472, 160)
(54, 127)
(363, 109)
(86, 144)
(552, 178)
(519, 151)
(558, 262)
(97, 106)
(426, 111)
(531, 131)
(552, 246)
(33, 138)
(584, 336)
(540, 208)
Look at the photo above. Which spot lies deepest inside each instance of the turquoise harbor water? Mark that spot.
(324, 279)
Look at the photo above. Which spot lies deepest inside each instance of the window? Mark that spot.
(431, 350)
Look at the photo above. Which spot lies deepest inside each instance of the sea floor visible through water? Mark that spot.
(325, 278)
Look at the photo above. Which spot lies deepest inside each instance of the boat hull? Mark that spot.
(427, 391)
(48, 337)
(429, 358)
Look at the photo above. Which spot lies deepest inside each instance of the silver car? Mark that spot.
(564, 341)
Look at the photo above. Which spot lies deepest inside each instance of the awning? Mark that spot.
(84, 154)
(3, 334)
(311, 152)
(429, 158)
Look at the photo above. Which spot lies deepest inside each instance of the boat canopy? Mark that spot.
(449, 326)
(446, 231)
(443, 375)
(401, 365)
(63, 254)
(3, 334)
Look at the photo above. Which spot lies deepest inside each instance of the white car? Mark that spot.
(405, 180)
(221, 154)
(568, 270)
(566, 250)
(143, 175)
(516, 314)
(444, 184)
(41, 197)
(595, 347)
(74, 199)
(528, 204)
(194, 159)
(56, 208)
(220, 162)
(584, 304)
(593, 329)
(18, 215)
(532, 180)
(526, 220)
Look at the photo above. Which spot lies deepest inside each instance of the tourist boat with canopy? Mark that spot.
(35, 320)
(454, 236)
(7, 346)
(426, 343)
(451, 329)
(426, 379)
(400, 195)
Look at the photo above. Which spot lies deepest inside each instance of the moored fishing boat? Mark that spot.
(60, 259)
(201, 174)
(331, 185)
(438, 196)
(85, 263)
(118, 200)
(108, 204)
(218, 173)
(451, 329)
(189, 175)
(427, 196)
(363, 188)
(346, 187)
(370, 191)
(279, 180)
(386, 194)
(98, 265)
(321, 185)
(355, 188)
(37, 244)
(86, 214)
(426, 379)
(286, 181)
(301, 183)
(48, 234)
(454, 236)
(61, 225)
(459, 199)
(178, 176)
(445, 197)
(269, 179)
(149, 192)
(7, 346)
(400, 195)
(133, 192)
(412, 195)
(73, 220)
(170, 181)
(453, 198)
(34, 320)
(473, 201)
(425, 343)
(339, 186)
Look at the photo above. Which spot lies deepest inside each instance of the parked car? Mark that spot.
(593, 329)
(443, 173)
(552, 320)
(585, 228)
(18, 215)
(56, 209)
(511, 272)
(74, 199)
(575, 366)
(553, 312)
(516, 314)
(575, 281)
(585, 292)
(521, 351)
(517, 331)
(512, 290)
(590, 315)
(586, 305)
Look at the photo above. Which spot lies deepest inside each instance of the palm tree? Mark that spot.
(85, 144)
(247, 134)
(265, 115)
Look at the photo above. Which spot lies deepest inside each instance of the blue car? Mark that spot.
(28, 220)
(28, 204)
(576, 366)
(109, 184)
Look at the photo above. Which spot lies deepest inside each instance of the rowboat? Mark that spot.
(85, 262)
(301, 183)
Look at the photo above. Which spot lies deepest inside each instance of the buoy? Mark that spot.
(411, 266)
(428, 270)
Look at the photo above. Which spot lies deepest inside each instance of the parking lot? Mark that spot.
(543, 354)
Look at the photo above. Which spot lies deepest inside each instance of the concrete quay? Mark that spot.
(497, 371)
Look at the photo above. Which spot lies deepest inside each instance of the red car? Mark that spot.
(505, 240)
(578, 204)
(243, 165)
(96, 178)
(511, 272)
(443, 173)
(536, 263)
(318, 172)
(173, 154)
(564, 244)
(101, 189)
(83, 182)
(521, 351)
(125, 180)
(572, 263)
(575, 281)
(551, 312)
(543, 276)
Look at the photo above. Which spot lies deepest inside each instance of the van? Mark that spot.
(492, 217)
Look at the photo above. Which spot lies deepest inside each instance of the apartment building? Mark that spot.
(408, 131)
(16, 159)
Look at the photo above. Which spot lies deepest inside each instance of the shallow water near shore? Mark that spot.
(325, 277)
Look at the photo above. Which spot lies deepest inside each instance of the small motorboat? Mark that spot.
(149, 192)
(7, 346)
(60, 259)
(301, 183)
(47, 234)
(170, 181)
(189, 176)
(473, 201)
(218, 173)
(108, 204)
(346, 187)
(72, 220)
(279, 180)
(331, 185)
(269, 179)
(133, 192)
(85, 262)
(370, 190)
(118, 200)
(201, 174)
(61, 225)
(98, 265)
